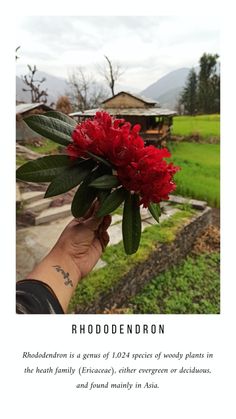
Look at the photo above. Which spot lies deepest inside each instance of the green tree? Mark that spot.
(215, 81)
(189, 94)
(209, 84)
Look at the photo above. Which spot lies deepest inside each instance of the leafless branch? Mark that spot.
(111, 73)
(37, 95)
(84, 92)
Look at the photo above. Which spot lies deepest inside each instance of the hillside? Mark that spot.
(167, 89)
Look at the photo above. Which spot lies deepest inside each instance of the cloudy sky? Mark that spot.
(146, 47)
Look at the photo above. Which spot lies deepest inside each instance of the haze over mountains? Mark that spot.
(166, 90)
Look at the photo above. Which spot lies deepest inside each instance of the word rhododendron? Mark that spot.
(109, 161)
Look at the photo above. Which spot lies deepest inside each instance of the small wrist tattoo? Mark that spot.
(65, 275)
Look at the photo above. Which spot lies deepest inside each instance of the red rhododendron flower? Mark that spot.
(141, 169)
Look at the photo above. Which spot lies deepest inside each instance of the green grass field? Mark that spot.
(193, 287)
(47, 147)
(200, 171)
(118, 263)
(207, 126)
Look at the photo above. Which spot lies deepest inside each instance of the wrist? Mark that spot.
(60, 273)
(58, 259)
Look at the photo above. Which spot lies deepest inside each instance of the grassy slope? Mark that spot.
(204, 125)
(200, 171)
(118, 263)
(190, 288)
(47, 147)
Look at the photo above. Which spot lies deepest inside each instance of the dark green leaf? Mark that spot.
(99, 159)
(131, 223)
(62, 117)
(85, 195)
(44, 169)
(155, 210)
(105, 182)
(83, 200)
(54, 129)
(102, 195)
(69, 178)
(113, 201)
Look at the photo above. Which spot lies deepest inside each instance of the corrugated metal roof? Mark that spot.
(128, 112)
(25, 107)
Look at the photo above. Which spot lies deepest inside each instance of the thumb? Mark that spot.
(93, 223)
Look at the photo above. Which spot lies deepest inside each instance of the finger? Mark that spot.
(93, 223)
(106, 222)
(104, 239)
(92, 210)
(74, 222)
(90, 213)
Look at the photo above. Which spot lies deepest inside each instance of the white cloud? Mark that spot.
(148, 47)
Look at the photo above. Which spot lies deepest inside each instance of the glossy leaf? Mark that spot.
(85, 195)
(131, 223)
(69, 178)
(102, 195)
(105, 182)
(62, 117)
(44, 169)
(155, 210)
(54, 129)
(113, 201)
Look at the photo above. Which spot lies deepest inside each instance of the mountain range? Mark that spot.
(166, 90)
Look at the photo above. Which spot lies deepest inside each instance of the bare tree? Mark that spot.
(84, 92)
(98, 95)
(34, 86)
(79, 84)
(111, 73)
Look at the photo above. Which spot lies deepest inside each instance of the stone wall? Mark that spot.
(161, 259)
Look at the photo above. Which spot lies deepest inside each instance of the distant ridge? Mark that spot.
(167, 89)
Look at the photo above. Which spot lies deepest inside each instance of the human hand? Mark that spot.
(83, 241)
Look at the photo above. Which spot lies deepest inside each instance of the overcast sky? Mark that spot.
(146, 47)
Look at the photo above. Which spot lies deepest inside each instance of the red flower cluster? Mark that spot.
(139, 168)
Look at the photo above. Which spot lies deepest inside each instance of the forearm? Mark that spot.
(60, 273)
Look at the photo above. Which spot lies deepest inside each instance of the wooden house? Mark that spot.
(155, 121)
